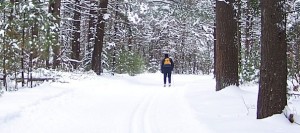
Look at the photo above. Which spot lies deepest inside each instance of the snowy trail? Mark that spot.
(140, 116)
(100, 106)
(139, 104)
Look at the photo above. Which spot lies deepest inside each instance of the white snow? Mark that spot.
(133, 17)
(2, 33)
(106, 16)
(227, 2)
(139, 104)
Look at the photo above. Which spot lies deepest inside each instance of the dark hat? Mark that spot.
(166, 55)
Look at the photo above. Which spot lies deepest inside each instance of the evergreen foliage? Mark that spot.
(131, 63)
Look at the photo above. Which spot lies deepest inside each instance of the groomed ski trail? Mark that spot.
(165, 110)
(140, 116)
(94, 106)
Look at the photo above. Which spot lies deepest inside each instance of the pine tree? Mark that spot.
(273, 72)
(100, 30)
(75, 55)
(54, 9)
(226, 46)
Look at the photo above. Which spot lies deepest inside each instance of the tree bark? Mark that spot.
(96, 57)
(273, 72)
(33, 47)
(92, 31)
(215, 49)
(247, 31)
(23, 52)
(75, 55)
(226, 46)
(54, 9)
(239, 33)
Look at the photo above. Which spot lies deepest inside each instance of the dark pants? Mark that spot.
(167, 74)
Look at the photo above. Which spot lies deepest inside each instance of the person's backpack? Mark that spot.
(167, 62)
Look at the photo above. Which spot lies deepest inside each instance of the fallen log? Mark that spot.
(31, 79)
(291, 115)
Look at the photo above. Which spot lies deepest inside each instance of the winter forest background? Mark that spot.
(130, 36)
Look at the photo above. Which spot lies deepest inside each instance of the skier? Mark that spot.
(167, 66)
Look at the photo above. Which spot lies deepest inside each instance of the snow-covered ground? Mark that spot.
(139, 104)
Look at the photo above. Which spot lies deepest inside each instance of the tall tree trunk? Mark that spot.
(297, 60)
(226, 46)
(33, 48)
(54, 9)
(115, 37)
(91, 31)
(273, 72)
(239, 34)
(215, 49)
(129, 35)
(75, 55)
(23, 51)
(96, 58)
(3, 50)
(247, 31)
(4, 66)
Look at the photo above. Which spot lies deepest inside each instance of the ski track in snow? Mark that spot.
(14, 115)
(165, 110)
(140, 104)
(86, 106)
(140, 117)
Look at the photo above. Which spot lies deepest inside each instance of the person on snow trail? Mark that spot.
(167, 66)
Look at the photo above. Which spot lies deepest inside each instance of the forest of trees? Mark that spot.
(231, 38)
